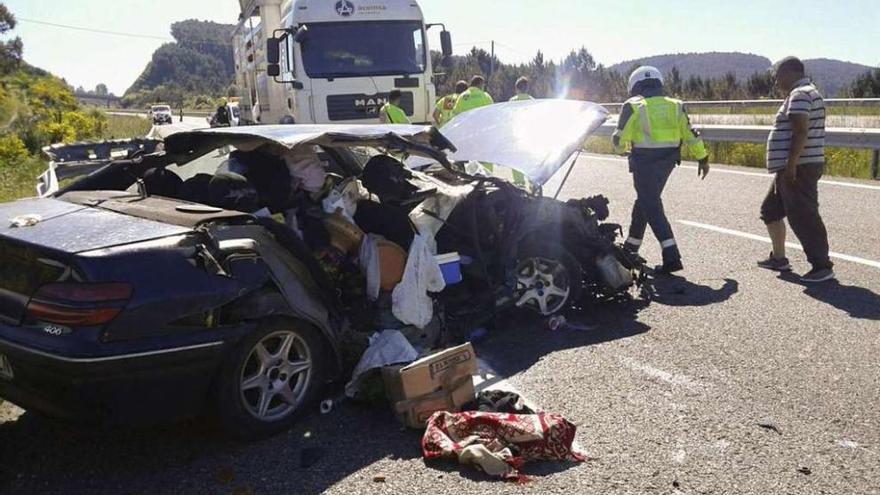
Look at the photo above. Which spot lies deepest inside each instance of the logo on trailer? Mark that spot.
(345, 8)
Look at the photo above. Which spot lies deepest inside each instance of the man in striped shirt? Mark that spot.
(796, 154)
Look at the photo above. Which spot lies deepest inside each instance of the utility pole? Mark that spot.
(491, 67)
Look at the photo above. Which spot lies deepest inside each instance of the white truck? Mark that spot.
(333, 62)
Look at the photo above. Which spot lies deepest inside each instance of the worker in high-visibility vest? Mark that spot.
(522, 90)
(473, 97)
(445, 105)
(391, 113)
(654, 128)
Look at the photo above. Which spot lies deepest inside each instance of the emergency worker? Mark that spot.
(654, 128)
(473, 97)
(391, 113)
(445, 105)
(522, 90)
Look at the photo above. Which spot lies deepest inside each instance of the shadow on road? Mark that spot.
(38, 456)
(521, 338)
(858, 302)
(678, 291)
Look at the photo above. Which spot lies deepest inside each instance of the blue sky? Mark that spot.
(613, 31)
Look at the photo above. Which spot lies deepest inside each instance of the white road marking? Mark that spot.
(674, 379)
(746, 235)
(762, 175)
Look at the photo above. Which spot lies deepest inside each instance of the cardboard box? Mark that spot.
(442, 381)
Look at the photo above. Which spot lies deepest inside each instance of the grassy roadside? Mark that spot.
(124, 126)
(841, 162)
(20, 181)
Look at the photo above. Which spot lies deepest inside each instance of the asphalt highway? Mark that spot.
(731, 380)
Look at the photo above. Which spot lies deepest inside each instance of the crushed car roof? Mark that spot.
(187, 146)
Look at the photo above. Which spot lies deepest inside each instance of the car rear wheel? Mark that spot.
(548, 278)
(271, 377)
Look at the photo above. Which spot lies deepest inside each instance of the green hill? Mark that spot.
(198, 63)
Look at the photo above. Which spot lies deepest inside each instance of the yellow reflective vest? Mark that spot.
(392, 114)
(445, 106)
(471, 99)
(658, 122)
(522, 97)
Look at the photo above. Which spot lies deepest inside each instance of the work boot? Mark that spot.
(671, 266)
(671, 260)
(632, 252)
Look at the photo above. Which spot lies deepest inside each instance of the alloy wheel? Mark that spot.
(542, 284)
(275, 376)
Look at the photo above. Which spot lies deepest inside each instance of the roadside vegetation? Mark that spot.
(841, 162)
(37, 109)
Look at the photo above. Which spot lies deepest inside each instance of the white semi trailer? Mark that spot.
(329, 62)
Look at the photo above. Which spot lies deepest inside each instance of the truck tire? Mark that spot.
(271, 377)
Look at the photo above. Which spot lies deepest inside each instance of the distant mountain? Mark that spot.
(706, 65)
(832, 76)
(200, 62)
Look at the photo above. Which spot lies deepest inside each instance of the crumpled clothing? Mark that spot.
(499, 443)
(368, 259)
(410, 301)
(386, 348)
(306, 169)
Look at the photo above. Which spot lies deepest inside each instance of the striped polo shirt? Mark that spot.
(805, 100)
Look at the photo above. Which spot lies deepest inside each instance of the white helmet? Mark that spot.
(643, 73)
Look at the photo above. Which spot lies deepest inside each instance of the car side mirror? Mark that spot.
(446, 43)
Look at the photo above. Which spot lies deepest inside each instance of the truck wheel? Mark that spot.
(548, 278)
(271, 377)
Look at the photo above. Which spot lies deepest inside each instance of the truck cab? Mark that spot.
(336, 62)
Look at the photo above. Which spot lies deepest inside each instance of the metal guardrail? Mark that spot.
(130, 111)
(740, 104)
(865, 139)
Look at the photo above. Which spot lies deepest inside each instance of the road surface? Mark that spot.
(733, 380)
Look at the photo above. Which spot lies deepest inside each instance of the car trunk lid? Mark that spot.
(51, 232)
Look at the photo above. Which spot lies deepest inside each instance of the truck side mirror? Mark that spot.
(273, 51)
(446, 43)
(273, 70)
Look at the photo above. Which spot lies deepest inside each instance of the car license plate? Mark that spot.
(5, 368)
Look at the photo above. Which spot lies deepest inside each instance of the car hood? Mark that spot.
(187, 146)
(535, 137)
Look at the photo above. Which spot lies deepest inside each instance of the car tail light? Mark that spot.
(79, 304)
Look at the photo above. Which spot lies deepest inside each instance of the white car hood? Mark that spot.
(535, 137)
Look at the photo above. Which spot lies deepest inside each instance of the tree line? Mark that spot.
(580, 76)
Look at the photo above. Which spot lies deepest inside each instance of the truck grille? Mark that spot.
(360, 107)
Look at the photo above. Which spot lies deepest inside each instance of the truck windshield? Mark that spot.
(356, 49)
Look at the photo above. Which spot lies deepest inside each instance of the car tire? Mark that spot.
(555, 266)
(261, 390)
